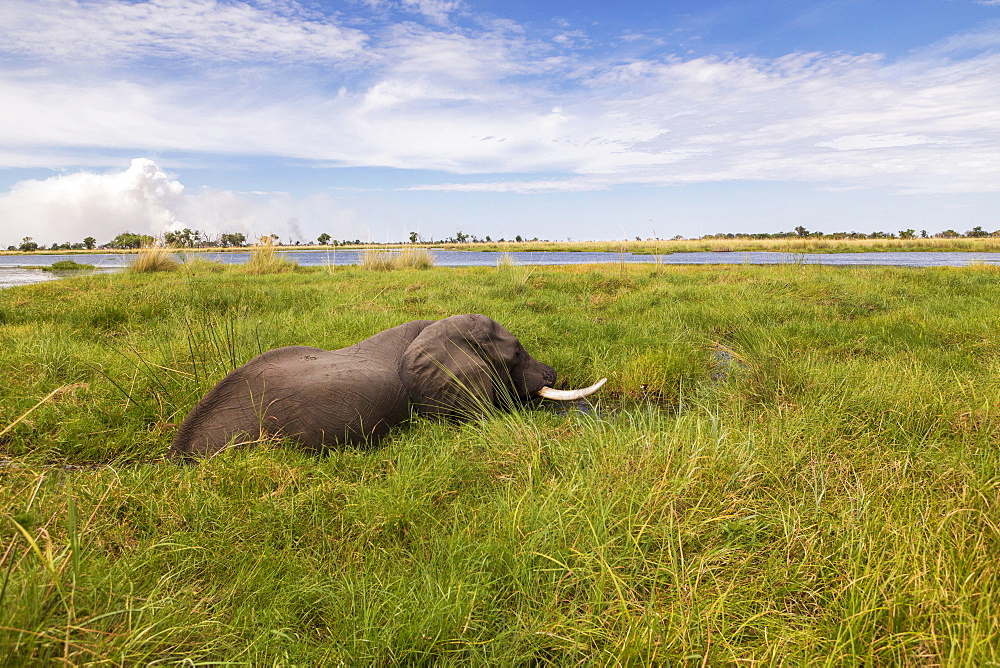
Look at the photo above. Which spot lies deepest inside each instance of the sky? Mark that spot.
(558, 119)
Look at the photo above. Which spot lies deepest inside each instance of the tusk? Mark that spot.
(571, 395)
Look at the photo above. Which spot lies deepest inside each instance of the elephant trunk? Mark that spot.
(571, 395)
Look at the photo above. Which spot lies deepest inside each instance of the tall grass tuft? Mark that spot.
(264, 260)
(505, 260)
(410, 258)
(153, 259)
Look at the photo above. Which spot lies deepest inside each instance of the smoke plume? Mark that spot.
(145, 200)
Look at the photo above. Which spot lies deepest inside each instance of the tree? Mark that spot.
(414, 237)
(801, 231)
(907, 234)
(131, 240)
(186, 238)
(89, 243)
(232, 239)
(977, 232)
(323, 239)
(28, 245)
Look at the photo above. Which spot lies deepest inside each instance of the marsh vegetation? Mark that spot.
(720, 243)
(68, 265)
(789, 464)
(406, 258)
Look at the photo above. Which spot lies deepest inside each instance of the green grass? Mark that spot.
(794, 464)
(68, 265)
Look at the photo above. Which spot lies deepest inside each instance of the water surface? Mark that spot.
(13, 269)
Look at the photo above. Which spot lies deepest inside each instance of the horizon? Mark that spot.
(375, 119)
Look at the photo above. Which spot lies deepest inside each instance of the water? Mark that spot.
(13, 271)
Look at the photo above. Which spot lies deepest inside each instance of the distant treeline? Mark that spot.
(188, 238)
(802, 233)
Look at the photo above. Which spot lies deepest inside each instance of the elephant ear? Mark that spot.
(447, 368)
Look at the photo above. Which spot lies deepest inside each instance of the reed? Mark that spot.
(505, 260)
(408, 258)
(153, 259)
(265, 260)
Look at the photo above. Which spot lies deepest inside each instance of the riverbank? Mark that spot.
(16, 270)
(646, 247)
(789, 464)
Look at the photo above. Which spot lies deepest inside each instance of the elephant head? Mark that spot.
(454, 368)
(462, 364)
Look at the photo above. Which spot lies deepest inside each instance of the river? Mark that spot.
(15, 269)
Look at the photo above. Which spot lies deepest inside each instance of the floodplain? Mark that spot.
(790, 464)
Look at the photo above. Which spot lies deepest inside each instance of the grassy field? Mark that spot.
(790, 464)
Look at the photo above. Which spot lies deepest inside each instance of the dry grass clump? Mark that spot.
(410, 258)
(153, 259)
(264, 260)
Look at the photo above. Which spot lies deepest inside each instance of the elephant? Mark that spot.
(454, 368)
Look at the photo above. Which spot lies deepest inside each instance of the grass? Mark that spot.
(407, 258)
(792, 464)
(68, 265)
(153, 260)
(199, 265)
(505, 260)
(264, 260)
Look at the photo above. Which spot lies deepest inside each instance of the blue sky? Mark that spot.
(563, 120)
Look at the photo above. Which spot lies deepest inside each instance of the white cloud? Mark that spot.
(866, 142)
(145, 200)
(82, 204)
(494, 101)
(576, 184)
(436, 10)
(86, 30)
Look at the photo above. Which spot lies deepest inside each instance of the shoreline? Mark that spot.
(806, 246)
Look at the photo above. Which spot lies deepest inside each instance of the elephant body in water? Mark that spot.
(452, 367)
